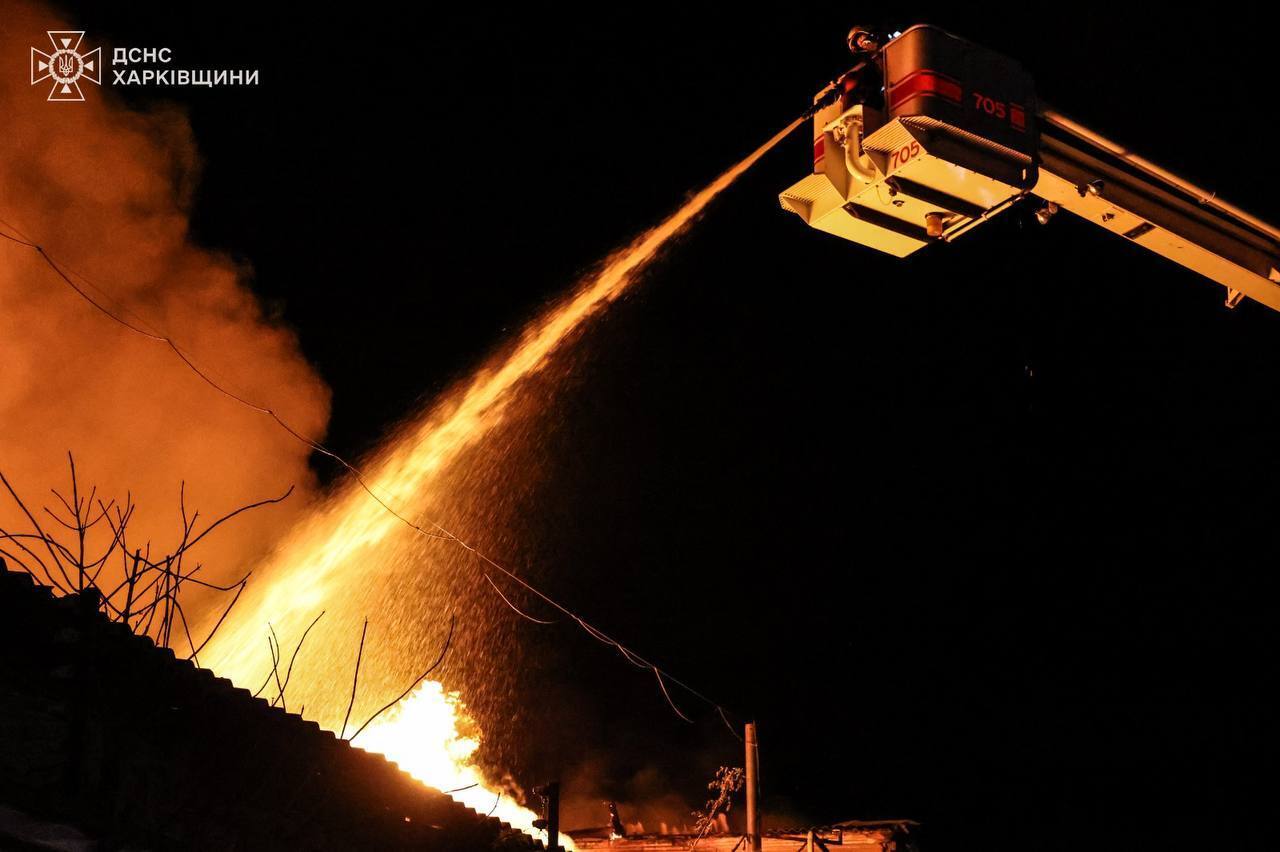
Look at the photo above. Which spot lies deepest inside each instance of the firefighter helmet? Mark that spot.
(862, 40)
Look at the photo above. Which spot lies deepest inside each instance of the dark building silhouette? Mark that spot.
(108, 742)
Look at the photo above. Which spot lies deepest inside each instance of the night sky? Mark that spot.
(981, 538)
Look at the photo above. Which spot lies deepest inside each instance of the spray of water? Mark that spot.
(353, 558)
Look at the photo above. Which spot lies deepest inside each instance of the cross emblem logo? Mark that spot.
(66, 66)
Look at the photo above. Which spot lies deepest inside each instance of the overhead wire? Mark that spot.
(440, 532)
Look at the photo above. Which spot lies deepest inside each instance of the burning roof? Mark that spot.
(102, 730)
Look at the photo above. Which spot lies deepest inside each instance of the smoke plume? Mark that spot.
(107, 192)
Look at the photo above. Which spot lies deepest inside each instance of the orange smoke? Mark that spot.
(107, 191)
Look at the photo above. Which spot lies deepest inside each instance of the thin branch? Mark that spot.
(355, 679)
(30, 517)
(167, 624)
(75, 498)
(239, 511)
(187, 630)
(453, 620)
(64, 501)
(186, 578)
(296, 648)
(131, 577)
(275, 669)
(52, 580)
(153, 606)
(258, 691)
(18, 561)
(67, 524)
(47, 542)
(460, 789)
(221, 619)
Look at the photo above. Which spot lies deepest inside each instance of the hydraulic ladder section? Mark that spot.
(1108, 185)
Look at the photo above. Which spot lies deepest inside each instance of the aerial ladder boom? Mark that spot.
(1158, 210)
(930, 136)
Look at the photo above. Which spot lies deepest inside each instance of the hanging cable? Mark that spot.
(316, 446)
(440, 532)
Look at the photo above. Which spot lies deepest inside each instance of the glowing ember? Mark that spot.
(354, 558)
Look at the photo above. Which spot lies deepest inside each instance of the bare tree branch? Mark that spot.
(223, 618)
(274, 642)
(294, 656)
(355, 679)
(453, 620)
(239, 511)
(30, 517)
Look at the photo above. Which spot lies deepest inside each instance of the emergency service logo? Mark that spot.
(66, 66)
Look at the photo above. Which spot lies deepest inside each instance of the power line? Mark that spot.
(152, 334)
(204, 375)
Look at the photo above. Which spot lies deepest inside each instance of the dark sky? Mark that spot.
(981, 538)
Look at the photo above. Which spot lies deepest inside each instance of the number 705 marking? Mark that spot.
(903, 154)
(990, 106)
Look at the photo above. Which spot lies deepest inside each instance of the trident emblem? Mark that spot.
(66, 66)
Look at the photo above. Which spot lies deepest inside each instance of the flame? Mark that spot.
(422, 736)
(325, 563)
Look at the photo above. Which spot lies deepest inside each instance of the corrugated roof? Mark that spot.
(103, 730)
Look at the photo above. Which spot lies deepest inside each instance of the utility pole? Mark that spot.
(753, 789)
(550, 794)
